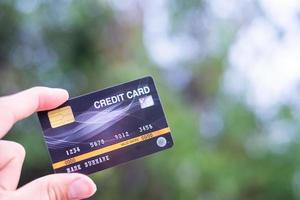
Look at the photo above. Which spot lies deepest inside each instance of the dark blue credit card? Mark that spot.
(102, 129)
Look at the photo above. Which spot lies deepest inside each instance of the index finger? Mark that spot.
(21, 105)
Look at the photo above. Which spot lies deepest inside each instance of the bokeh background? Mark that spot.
(228, 73)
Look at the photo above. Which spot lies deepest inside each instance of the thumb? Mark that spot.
(57, 187)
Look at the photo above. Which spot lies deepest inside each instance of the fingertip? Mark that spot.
(64, 94)
(72, 186)
(90, 181)
(82, 187)
(50, 98)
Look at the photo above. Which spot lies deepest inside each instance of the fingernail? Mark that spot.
(81, 188)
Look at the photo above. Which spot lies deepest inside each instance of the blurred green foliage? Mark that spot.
(87, 45)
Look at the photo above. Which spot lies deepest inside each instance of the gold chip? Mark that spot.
(61, 116)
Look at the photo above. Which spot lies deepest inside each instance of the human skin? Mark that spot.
(52, 187)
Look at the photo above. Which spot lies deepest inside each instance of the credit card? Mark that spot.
(105, 128)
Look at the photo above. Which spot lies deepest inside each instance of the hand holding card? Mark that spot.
(62, 186)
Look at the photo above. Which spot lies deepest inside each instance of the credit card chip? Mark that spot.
(61, 116)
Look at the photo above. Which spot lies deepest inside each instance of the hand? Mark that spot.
(53, 187)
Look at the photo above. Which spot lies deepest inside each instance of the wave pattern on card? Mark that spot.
(106, 128)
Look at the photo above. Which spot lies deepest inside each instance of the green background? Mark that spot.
(221, 144)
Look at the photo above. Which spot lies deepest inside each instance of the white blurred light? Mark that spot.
(264, 62)
(284, 13)
(277, 137)
(280, 134)
(224, 9)
(165, 50)
(211, 123)
(27, 6)
(121, 5)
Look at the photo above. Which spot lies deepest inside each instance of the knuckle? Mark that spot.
(36, 91)
(18, 149)
(54, 192)
(15, 149)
